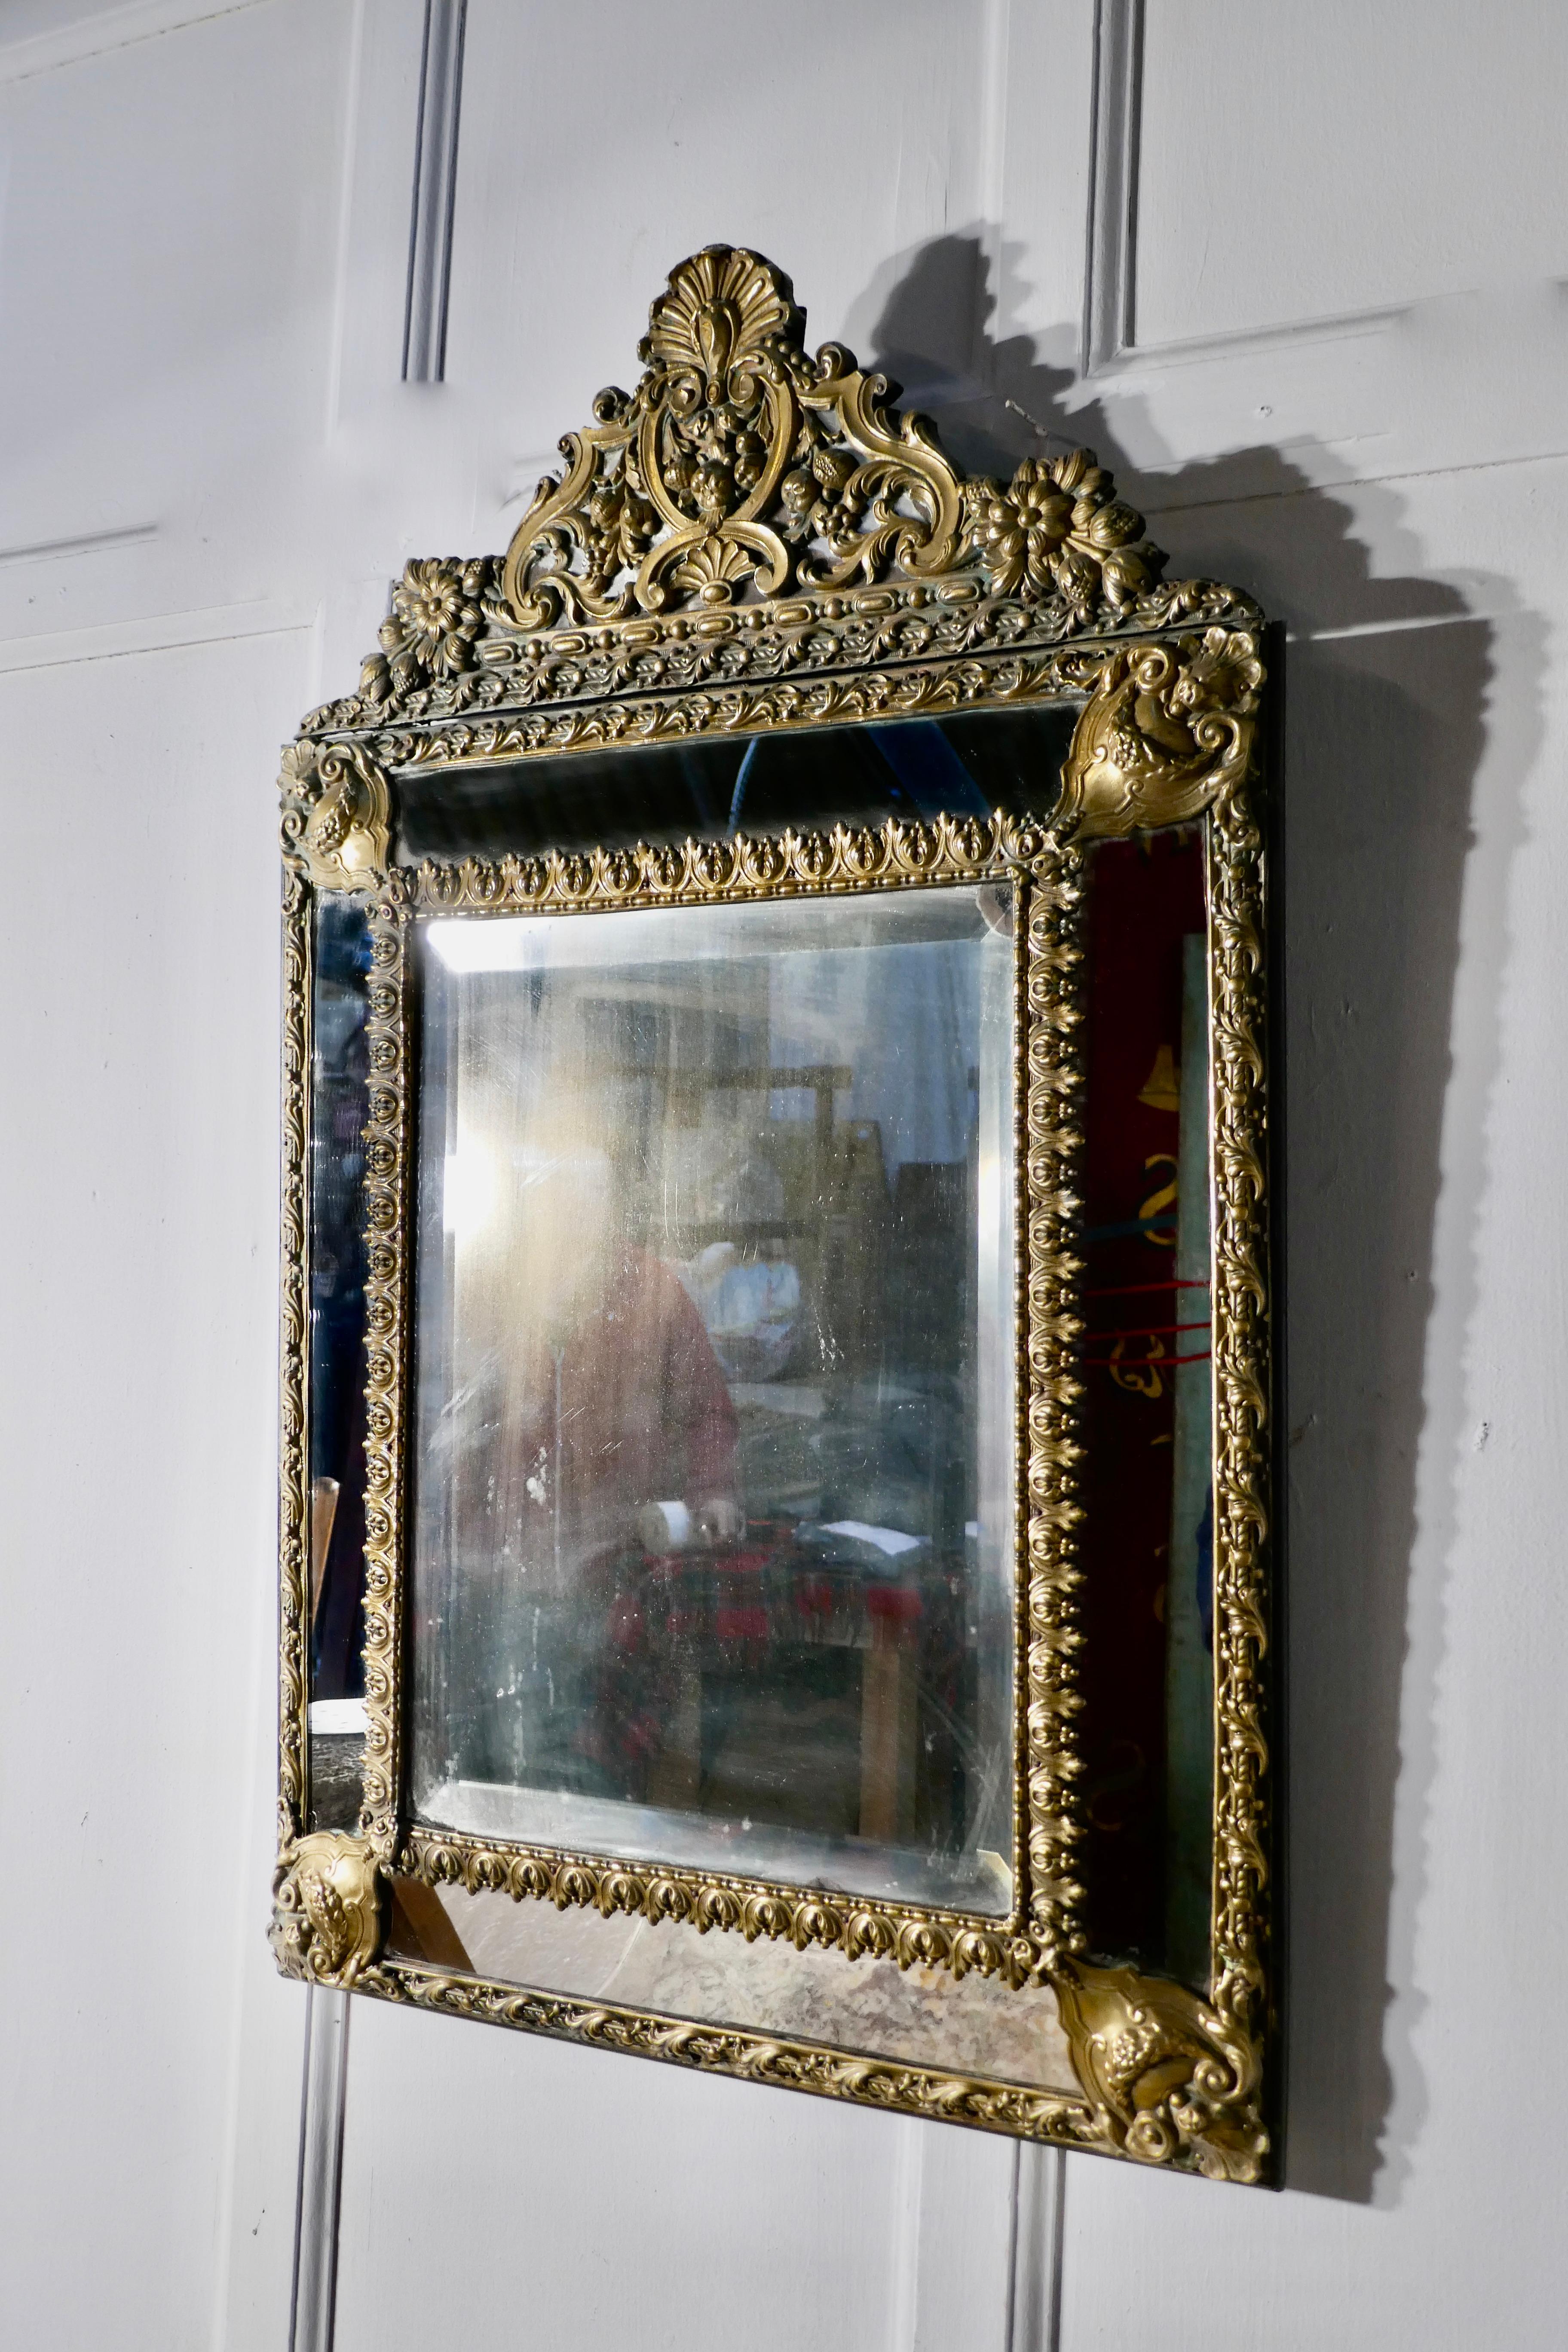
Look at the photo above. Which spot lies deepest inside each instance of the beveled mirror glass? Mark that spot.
(711, 1550)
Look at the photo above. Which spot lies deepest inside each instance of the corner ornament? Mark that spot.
(1171, 2080)
(1165, 733)
(337, 815)
(327, 1909)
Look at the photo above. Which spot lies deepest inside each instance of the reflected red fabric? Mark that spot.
(646, 1416)
(1145, 896)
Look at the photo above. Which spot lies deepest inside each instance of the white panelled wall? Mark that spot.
(1329, 335)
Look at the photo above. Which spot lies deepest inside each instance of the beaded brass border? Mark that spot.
(889, 587)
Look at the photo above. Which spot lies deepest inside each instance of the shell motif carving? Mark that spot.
(1165, 733)
(337, 815)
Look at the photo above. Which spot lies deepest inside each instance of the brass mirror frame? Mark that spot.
(756, 539)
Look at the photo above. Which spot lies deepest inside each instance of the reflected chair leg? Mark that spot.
(323, 1510)
(677, 1774)
(887, 1734)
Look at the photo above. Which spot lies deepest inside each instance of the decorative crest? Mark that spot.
(740, 466)
(750, 510)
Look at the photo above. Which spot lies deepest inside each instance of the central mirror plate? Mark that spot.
(715, 1369)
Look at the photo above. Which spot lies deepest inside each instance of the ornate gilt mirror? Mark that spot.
(775, 1377)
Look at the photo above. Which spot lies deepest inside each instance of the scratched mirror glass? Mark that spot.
(712, 1547)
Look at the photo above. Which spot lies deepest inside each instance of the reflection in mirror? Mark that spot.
(336, 1527)
(712, 1540)
(1147, 1541)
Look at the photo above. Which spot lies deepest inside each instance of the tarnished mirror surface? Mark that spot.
(713, 1541)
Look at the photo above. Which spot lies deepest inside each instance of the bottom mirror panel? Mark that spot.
(972, 2026)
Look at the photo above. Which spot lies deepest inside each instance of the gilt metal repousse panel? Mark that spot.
(756, 539)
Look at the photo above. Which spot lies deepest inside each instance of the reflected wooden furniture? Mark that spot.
(324, 1511)
(888, 1686)
(887, 1689)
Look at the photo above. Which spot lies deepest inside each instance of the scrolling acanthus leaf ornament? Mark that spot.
(326, 1908)
(337, 815)
(1166, 732)
(738, 463)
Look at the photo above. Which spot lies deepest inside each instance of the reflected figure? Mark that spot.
(605, 1432)
(615, 1399)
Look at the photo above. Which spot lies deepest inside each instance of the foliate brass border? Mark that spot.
(1044, 1926)
(388, 1184)
(805, 647)
(1054, 2116)
(1047, 1148)
(1239, 1976)
(924, 690)
(1174, 2077)
(766, 582)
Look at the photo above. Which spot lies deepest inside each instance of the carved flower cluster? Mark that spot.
(1058, 526)
(436, 617)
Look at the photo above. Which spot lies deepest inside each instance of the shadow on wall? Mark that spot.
(1387, 680)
